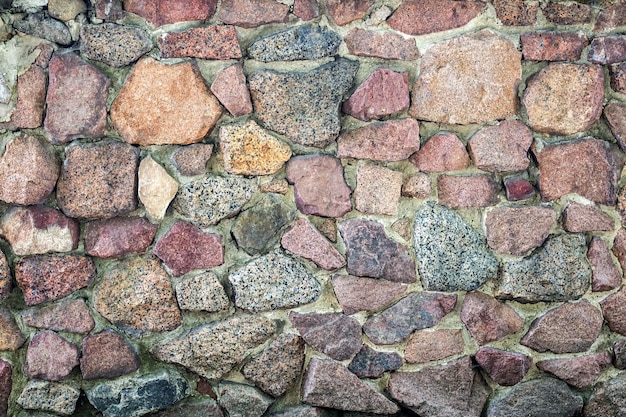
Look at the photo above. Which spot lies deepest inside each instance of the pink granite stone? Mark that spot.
(553, 46)
(68, 316)
(393, 140)
(50, 357)
(107, 355)
(517, 230)
(6, 384)
(567, 13)
(516, 12)
(580, 218)
(377, 190)
(31, 99)
(467, 191)
(618, 83)
(417, 186)
(607, 50)
(433, 345)
(384, 45)
(304, 240)
(365, 294)
(306, 9)
(207, 42)
(335, 334)
(442, 152)
(504, 368)
(488, 319)
(252, 13)
(420, 17)
(610, 16)
(579, 372)
(164, 12)
(501, 148)
(118, 237)
(346, 11)
(614, 311)
(383, 93)
(619, 247)
(192, 159)
(518, 188)
(231, 90)
(605, 275)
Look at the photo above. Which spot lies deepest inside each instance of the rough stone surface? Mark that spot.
(618, 81)
(579, 218)
(442, 152)
(501, 148)
(6, 383)
(305, 42)
(304, 240)
(608, 398)
(607, 50)
(451, 256)
(414, 312)
(335, 334)
(558, 271)
(564, 98)
(211, 350)
(92, 186)
(155, 187)
(393, 140)
(304, 106)
(613, 308)
(518, 188)
(202, 292)
(319, 186)
(49, 396)
(344, 12)
(619, 247)
(487, 319)
(517, 230)
(605, 276)
(382, 93)
(369, 363)
(567, 14)
(610, 16)
(209, 42)
(107, 355)
(275, 186)
(469, 79)
(252, 13)
(50, 357)
(180, 111)
(384, 45)
(46, 277)
(377, 190)
(36, 230)
(68, 316)
(427, 346)
(615, 114)
(11, 337)
(118, 237)
(579, 372)
(209, 199)
(193, 408)
(619, 353)
(306, 9)
(31, 99)
(420, 17)
(273, 281)
(371, 253)
(241, 400)
(278, 367)
(191, 160)
(504, 368)
(136, 295)
(516, 12)
(5, 277)
(231, 90)
(571, 327)
(417, 186)
(109, 10)
(329, 384)
(450, 390)
(42, 26)
(364, 294)
(460, 191)
(553, 46)
(114, 45)
(164, 12)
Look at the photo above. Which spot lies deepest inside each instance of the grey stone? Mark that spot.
(241, 400)
(619, 353)
(209, 199)
(49, 396)
(5, 92)
(335, 334)
(558, 271)
(202, 292)
(300, 42)
(304, 106)
(136, 396)
(369, 363)
(302, 410)
(198, 407)
(273, 281)
(115, 45)
(451, 255)
(607, 399)
(41, 26)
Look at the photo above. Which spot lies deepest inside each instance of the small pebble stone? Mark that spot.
(427, 346)
(50, 357)
(114, 45)
(275, 186)
(155, 188)
(202, 292)
(5, 276)
(306, 9)
(518, 189)
(67, 316)
(605, 275)
(107, 355)
(118, 237)
(11, 337)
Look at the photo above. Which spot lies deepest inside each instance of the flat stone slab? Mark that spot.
(155, 187)
(253, 13)
(231, 90)
(605, 275)
(370, 363)
(613, 311)
(114, 45)
(488, 319)
(305, 42)
(304, 240)
(553, 46)
(334, 334)
(517, 230)
(392, 140)
(384, 45)
(242, 399)
(67, 316)
(429, 16)
(465, 191)
(209, 42)
(365, 294)
(427, 346)
(580, 218)
(501, 148)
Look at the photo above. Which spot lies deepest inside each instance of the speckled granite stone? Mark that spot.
(504, 368)
(107, 355)
(335, 334)
(370, 363)
(579, 372)
(118, 237)
(45, 27)
(296, 43)
(115, 45)
(67, 316)
(607, 399)
(49, 396)
(50, 357)
(202, 292)
(365, 294)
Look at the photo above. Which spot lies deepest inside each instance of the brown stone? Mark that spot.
(118, 237)
(5, 277)
(306, 9)
(517, 230)
(567, 13)
(467, 191)
(618, 77)
(252, 13)
(377, 190)
(107, 355)
(516, 12)
(191, 160)
(334, 334)
(6, 384)
(504, 368)
(420, 17)
(276, 186)
(605, 276)
(69, 316)
(346, 11)
(208, 42)
(46, 277)
(109, 10)
(487, 319)
(501, 148)
(610, 16)
(433, 345)
(164, 104)
(364, 294)
(442, 152)
(553, 46)
(615, 114)
(614, 311)
(469, 79)
(518, 188)
(579, 218)
(304, 240)
(384, 45)
(563, 98)
(392, 140)
(50, 357)
(231, 90)
(164, 12)
(416, 186)
(11, 337)
(579, 372)
(31, 99)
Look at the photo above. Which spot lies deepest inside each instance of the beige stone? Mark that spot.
(65, 9)
(156, 188)
(377, 190)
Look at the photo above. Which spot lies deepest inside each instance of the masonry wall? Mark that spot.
(301, 208)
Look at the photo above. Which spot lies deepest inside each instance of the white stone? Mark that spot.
(156, 188)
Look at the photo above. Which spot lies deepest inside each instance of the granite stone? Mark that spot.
(202, 292)
(31, 99)
(164, 12)
(242, 400)
(580, 218)
(6, 383)
(416, 186)
(44, 27)
(465, 191)
(615, 115)
(155, 188)
(619, 354)
(504, 368)
(49, 396)
(231, 90)
(347, 11)
(607, 50)
(619, 247)
(191, 160)
(382, 93)
(421, 17)
(392, 140)
(516, 12)
(11, 337)
(610, 16)
(209, 42)
(518, 188)
(442, 152)
(613, 308)
(553, 46)
(487, 319)
(618, 80)
(304, 42)
(67, 316)
(579, 372)
(114, 45)
(517, 230)
(377, 190)
(370, 363)
(607, 398)
(253, 13)
(427, 346)
(364, 294)
(567, 13)
(107, 355)
(304, 240)
(605, 276)
(50, 357)
(118, 237)
(334, 334)
(501, 148)
(384, 45)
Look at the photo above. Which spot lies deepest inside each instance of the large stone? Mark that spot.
(451, 255)
(504, 368)
(253, 13)
(271, 282)
(501, 148)
(114, 45)
(414, 312)
(567, 13)
(90, 186)
(107, 355)
(11, 337)
(610, 16)
(231, 90)
(118, 237)
(6, 384)
(136, 295)
(192, 159)
(392, 140)
(382, 93)
(242, 400)
(517, 230)
(155, 187)
(50, 357)
(364, 294)
(164, 12)
(613, 309)
(164, 104)
(615, 114)
(304, 240)
(607, 398)
(605, 275)
(209, 42)
(442, 152)
(304, 106)
(465, 191)
(564, 98)
(41, 26)
(579, 372)
(420, 17)
(558, 271)
(305, 42)
(569, 328)
(553, 46)
(31, 99)
(427, 346)
(335, 334)
(202, 292)
(371, 253)
(369, 363)
(384, 45)
(607, 50)
(212, 350)
(488, 320)
(329, 384)
(49, 396)
(207, 200)
(68, 316)
(469, 79)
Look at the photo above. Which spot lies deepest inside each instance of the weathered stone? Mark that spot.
(271, 282)
(517, 230)
(384, 45)
(252, 13)
(335, 334)
(460, 191)
(579, 372)
(329, 384)
(344, 12)
(610, 16)
(377, 190)
(191, 160)
(613, 308)
(36, 230)
(501, 148)
(584, 166)
(469, 79)
(109, 10)
(68, 316)
(136, 295)
(156, 188)
(451, 390)
(306, 9)
(615, 114)
(6, 384)
(209, 199)
(305, 42)
(5, 276)
(427, 346)
(504, 368)
(392, 140)
(420, 17)
(5, 91)
(241, 400)
(11, 337)
(302, 410)
(605, 276)
(618, 80)
(42, 26)
(328, 227)
(118, 237)
(607, 50)
(558, 271)
(369, 363)
(304, 106)
(537, 398)
(202, 292)
(571, 327)
(319, 186)
(208, 42)
(196, 407)
(28, 171)
(213, 349)
(90, 186)
(414, 312)
(164, 12)
(364, 294)
(371, 253)
(49, 396)
(31, 99)
(451, 255)
(567, 13)
(138, 395)
(278, 367)
(275, 186)
(619, 247)
(564, 98)
(417, 186)
(488, 320)
(304, 240)
(107, 355)
(516, 12)
(579, 218)
(442, 152)
(553, 46)
(46, 277)
(619, 353)
(231, 90)
(115, 45)
(518, 188)
(180, 111)
(382, 93)
(50, 357)
(608, 398)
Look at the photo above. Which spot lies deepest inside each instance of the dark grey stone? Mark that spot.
(608, 399)
(241, 400)
(300, 42)
(44, 27)
(115, 45)
(619, 354)
(369, 363)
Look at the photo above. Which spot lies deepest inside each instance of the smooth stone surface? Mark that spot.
(67, 316)
(191, 160)
(241, 400)
(377, 190)
(334, 334)
(304, 240)
(504, 368)
(392, 140)
(41, 26)
(364, 294)
(107, 355)
(466, 191)
(579, 372)
(442, 152)
(305, 42)
(501, 148)
(487, 319)
(118, 237)
(253, 13)
(605, 275)
(202, 292)
(553, 46)
(49, 396)
(209, 42)
(427, 346)
(231, 90)
(384, 45)
(420, 17)
(155, 187)
(517, 230)
(613, 308)
(164, 12)
(11, 337)
(114, 45)
(382, 93)
(369, 363)
(50, 357)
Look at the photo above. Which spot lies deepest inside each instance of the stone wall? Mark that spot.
(300, 208)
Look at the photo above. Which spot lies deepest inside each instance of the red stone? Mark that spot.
(384, 45)
(607, 50)
(393, 140)
(164, 12)
(252, 13)
(433, 345)
(383, 93)
(517, 230)
(504, 368)
(579, 372)
(501, 148)
(567, 14)
(208, 42)
(553, 46)
(419, 17)
(109, 10)
(231, 90)
(31, 99)
(610, 16)
(68, 316)
(6, 384)
(442, 152)
(118, 237)
(518, 189)
(304, 240)
(306, 9)
(487, 319)
(605, 275)
(107, 355)
(615, 114)
(580, 218)
(346, 11)
(516, 12)
(467, 191)
(185, 247)
(365, 294)
(618, 78)
(614, 311)
(50, 357)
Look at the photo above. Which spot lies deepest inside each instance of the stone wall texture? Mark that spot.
(297, 208)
